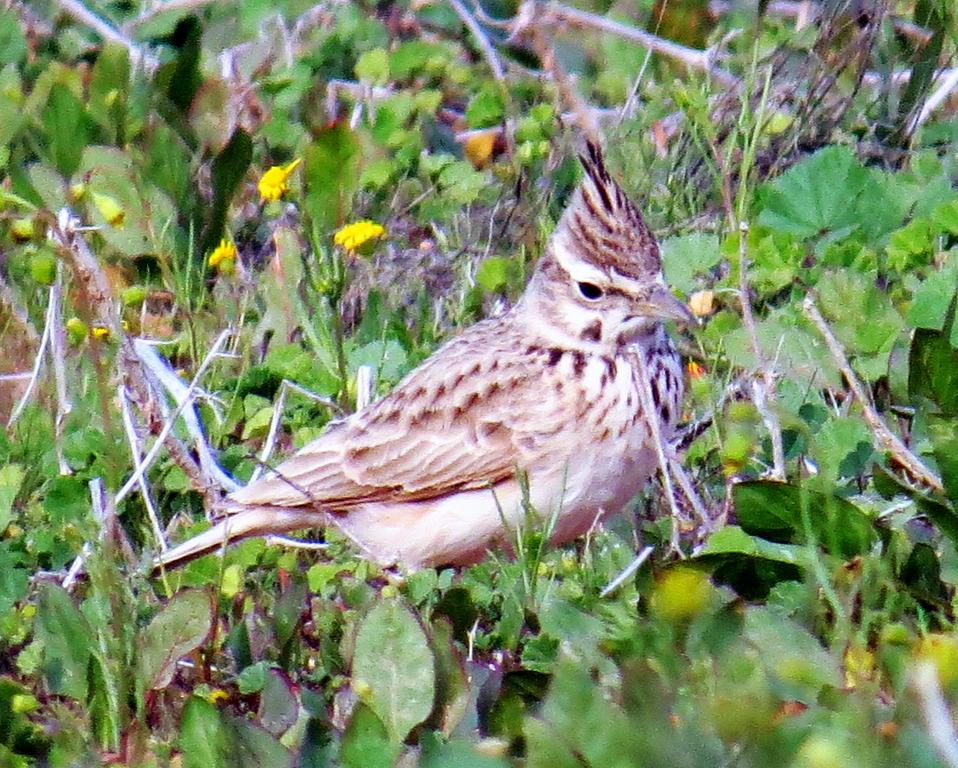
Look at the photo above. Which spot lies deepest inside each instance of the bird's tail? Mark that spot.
(242, 524)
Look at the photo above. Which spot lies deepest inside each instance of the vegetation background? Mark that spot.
(182, 171)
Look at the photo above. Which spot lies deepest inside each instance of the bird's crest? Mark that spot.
(603, 226)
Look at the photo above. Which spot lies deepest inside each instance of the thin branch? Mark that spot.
(133, 438)
(652, 417)
(944, 90)
(157, 365)
(626, 572)
(156, 8)
(482, 40)
(99, 505)
(527, 25)
(692, 57)
(763, 392)
(57, 357)
(888, 440)
(85, 16)
(168, 426)
(37, 365)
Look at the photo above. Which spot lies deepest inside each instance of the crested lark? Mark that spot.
(428, 475)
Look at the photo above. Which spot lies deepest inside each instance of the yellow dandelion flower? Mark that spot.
(223, 256)
(99, 332)
(357, 234)
(217, 696)
(274, 183)
(696, 371)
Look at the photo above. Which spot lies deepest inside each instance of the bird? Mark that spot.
(538, 406)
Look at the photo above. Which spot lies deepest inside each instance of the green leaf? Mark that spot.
(486, 108)
(933, 366)
(109, 83)
(774, 511)
(14, 578)
(68, 642)
(13, 43)
(366, 743)
(932, 297)
(498, 273)
(203, 739)
(791, 653)
(817, 195)
(393, 658)
(733, 540)
(208, 739)
(331, 176)
(413, 56)
(944, 438)
(229, 168)
(373, 66)
(455, 754)
(182, 626)
(11, 478)
(846, 297)
(67, 129)
(685, 256)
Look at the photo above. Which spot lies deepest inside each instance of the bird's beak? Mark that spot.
(662, 304)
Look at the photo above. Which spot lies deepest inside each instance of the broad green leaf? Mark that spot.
(366, 743)
(179, 628)
(846, 298)
(732, 540)
(817, 195)
(229, 168)
(203, 739)
(455, 754)
(685, 256)
(498, 273)
(839, 446)
(11, 478)
(798, 661)
(331, 176)
(68, 642)
(279, 707)
(373, 66)
(13, 43)
(67, 129)
(545, 748)
(932, 297)
(774, 511)
(210, 739)
(393, 659)
(486, 108)
(452, 684)
(933, 366)
(944, 437)
(14, 577)
(415, 55)
(109, 83)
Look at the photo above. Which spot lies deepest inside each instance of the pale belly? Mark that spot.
(460, 529)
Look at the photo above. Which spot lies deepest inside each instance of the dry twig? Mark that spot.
(763, 392)
(482, 40)
(888, 440)
(560, 14)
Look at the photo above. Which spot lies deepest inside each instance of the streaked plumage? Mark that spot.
(426, 475)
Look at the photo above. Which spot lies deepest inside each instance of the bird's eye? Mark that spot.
(590, 291)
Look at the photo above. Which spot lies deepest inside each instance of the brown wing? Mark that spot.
(466, 418)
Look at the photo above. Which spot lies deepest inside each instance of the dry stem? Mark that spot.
(763, 392)
(887, 439)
